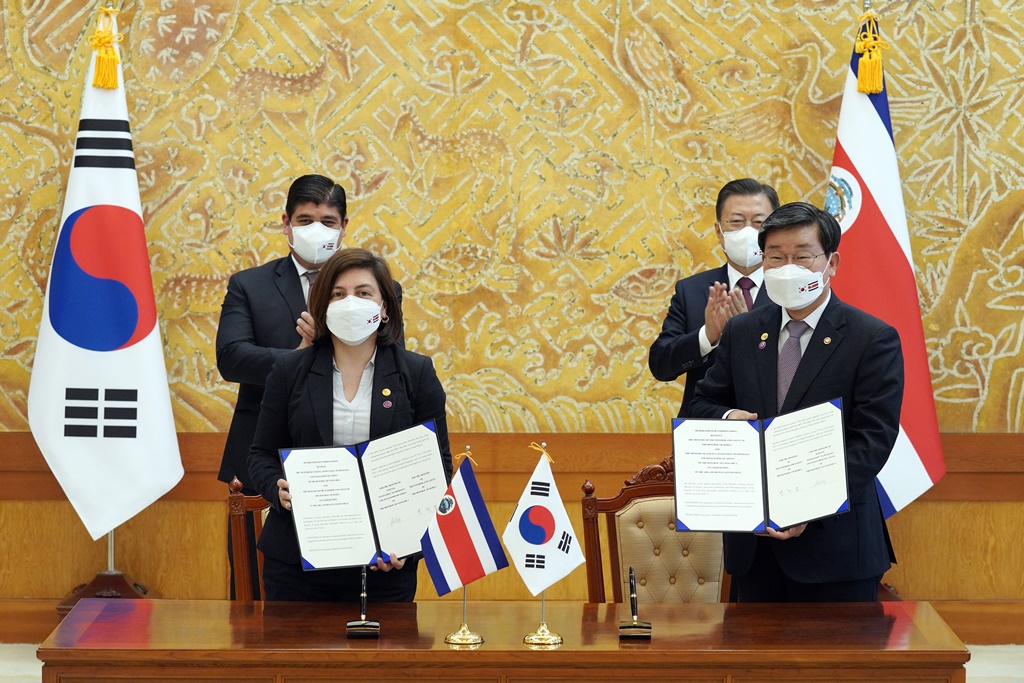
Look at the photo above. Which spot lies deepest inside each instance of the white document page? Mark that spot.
(405, 479)
(805, 464)
(718, 475)
(329, 507)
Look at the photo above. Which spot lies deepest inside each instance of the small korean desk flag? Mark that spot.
(98, 402)
(461, 544)
(539, 536)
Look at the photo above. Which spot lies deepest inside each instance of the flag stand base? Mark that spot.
(106, 584)
(463, 637)
(542, 639)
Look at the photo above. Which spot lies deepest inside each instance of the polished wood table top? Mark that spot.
(154, 631)
(224, 629)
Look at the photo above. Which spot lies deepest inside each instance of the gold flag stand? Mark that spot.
(464, 639)
(542, 638)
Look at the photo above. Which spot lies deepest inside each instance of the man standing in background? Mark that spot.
(264, 315)
(698, 310)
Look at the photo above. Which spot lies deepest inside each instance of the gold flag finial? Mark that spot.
(543, 448)
(102, 42)
(869, 46)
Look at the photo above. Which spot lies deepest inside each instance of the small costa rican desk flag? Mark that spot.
(865, 195)
(98, 403)
(461, 544)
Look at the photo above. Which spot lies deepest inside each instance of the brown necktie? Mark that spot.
(746, 284)
(789, 357)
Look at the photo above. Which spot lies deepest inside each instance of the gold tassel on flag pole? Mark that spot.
(102, 42)
(543, 448)
(869, 46)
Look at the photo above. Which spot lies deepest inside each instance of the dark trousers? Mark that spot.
(284, 581)
(766, 582)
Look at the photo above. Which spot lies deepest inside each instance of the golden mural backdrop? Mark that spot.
(539, 174)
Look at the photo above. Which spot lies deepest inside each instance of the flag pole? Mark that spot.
(109, 583)
(542, 638)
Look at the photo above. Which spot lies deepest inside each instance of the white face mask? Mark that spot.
(741, 246)
(793, 287)
(353, 320)
(315, 242)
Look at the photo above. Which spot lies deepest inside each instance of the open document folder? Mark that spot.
(737, 475)
(353, 504)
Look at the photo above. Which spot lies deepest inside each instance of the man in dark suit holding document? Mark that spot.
(806, 348)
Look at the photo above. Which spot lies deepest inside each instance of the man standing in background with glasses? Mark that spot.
(805, 348)
(702, 303)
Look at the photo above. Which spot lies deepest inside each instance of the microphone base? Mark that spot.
(635, 630)
(361, 628)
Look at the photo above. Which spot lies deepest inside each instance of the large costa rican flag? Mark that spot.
(865, 195)
(98, 404)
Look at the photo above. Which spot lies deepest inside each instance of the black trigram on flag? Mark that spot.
(115, 417)
(540, 488)
(565, 543)
(534, 561)
(104, 143)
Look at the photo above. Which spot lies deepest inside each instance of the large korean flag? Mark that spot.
(99, 405)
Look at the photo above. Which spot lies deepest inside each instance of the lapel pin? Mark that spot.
(762, 345)
(828, 340)
(764, 335)
(386, 392)
(387, 404)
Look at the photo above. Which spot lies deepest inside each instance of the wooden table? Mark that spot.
(224, 642)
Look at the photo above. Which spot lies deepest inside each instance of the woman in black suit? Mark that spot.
(354, 384)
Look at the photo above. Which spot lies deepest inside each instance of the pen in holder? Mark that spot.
(361, 628)
(635, 628)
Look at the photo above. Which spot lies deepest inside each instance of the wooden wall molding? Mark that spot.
(980, 467)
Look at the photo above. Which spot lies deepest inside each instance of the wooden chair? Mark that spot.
(239, 506)
(670, 566)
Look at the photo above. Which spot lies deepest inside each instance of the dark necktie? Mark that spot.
(789, 357)
(311, 278)
(746, 284)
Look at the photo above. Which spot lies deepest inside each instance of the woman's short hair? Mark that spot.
(346, 259)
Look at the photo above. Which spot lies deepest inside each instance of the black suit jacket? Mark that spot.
(257, 327)
(853, 356)
(677, 348)
(298, 412)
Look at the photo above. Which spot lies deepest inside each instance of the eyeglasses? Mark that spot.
(803, 258)
(738, 223)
